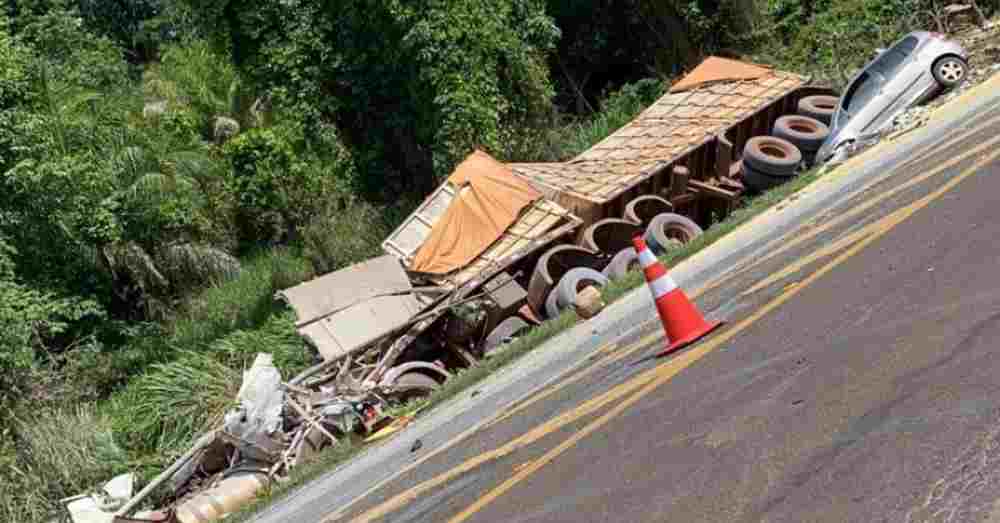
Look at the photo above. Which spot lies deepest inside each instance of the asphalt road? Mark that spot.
(855, 380)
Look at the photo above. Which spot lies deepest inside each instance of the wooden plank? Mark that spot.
(679, 181)
(712, 190)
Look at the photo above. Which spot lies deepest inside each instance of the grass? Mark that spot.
(527, 343)
(60, 453)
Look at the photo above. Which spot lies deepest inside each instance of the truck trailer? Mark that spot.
(498, 247)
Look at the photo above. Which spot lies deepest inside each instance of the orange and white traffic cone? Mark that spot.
(681, 320)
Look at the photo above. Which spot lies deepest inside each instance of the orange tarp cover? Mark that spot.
(715, 69)
(488, 200)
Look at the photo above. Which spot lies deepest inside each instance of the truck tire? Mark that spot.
(417, 381)
(949, 71)
(621, 263)
(502, 333)
(551, 266)
(574, 281)
(644, 208)
(609, 235)
(760, 182)
(552, 308)
(818, 107)
(803, 132)
(771, 155)
(669, 226)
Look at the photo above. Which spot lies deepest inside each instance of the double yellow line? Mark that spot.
(657, 376)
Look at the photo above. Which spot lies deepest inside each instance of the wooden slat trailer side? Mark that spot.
(680, 155)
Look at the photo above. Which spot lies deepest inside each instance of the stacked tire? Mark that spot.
(805, 133)
(768, 162)
(819, 108)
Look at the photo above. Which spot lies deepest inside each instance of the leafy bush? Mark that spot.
(193, 75)
(79, 56)
(281, 183)
(830, 40)
(413, 86)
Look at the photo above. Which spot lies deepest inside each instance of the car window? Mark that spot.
(889, 63)
(907, 45)
(861, 91)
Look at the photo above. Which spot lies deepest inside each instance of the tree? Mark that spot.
(606, 44)
(411, 86)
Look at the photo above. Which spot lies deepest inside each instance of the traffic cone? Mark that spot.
(681, 320)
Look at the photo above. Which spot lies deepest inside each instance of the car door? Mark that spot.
(860, 103)
(899, 73)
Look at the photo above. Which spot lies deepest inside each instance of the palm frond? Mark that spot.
(131, 260)
(197, 263)
(73, 101)
(191, 164)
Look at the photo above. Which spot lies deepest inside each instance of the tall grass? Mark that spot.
(240, 303)
(337, 239)
(58, 453)
(188, 377)
(169, 405)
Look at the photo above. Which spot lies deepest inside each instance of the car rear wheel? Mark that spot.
(950, 71)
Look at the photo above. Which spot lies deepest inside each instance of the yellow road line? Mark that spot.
(666, 372)
(588, 407)
(552, 389)
(800, 263)
(483, 424)
(800, 236)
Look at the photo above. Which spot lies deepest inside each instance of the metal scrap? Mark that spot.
(275, 426)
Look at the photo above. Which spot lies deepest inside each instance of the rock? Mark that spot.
(588, 302)
(224, 128)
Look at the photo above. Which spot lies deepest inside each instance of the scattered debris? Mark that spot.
(274, 426)
(416, 445)
(99, 507)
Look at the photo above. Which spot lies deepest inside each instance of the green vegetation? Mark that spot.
(166, 166)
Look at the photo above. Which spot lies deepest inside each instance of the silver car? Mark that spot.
(915, 68)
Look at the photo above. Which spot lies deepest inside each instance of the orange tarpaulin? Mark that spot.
(715, 69)
(488, 200)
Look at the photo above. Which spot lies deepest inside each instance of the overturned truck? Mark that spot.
(498, 246)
